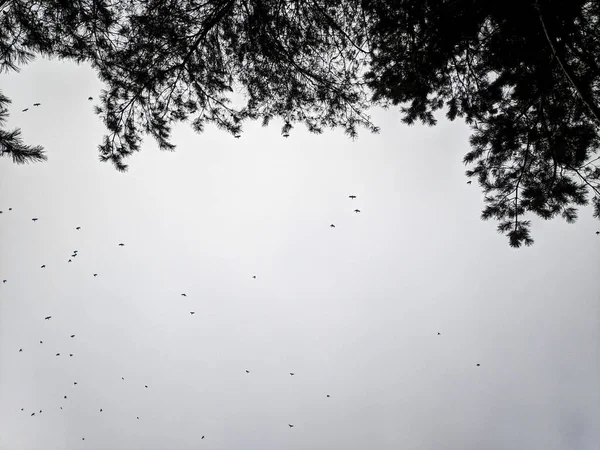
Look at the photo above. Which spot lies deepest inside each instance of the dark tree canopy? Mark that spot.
(525, 75)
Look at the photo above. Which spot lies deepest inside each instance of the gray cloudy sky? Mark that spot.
(353, 311)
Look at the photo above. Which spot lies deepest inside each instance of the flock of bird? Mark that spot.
(121, 244)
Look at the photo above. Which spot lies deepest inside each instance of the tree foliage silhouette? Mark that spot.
(524, 75)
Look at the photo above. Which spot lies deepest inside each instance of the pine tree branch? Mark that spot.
(567, 70)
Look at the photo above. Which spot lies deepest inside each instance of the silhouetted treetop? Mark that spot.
(523, 74)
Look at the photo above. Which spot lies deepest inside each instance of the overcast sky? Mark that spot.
(353, 311)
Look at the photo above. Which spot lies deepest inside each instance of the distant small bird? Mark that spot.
(254, 277)
(74, 251)
(41, 342)
(21, 409)
(43, 266)
(70, 354)
(352, 197)
(72, 335)
(100, 409)
(237, 136)
(34, 219)
(65, 396)
(247, 371)
(58, 354)
(192, 312)
(36, 104)
(10, 209)
(4, 281)
(478, 365)
(292, 373)
(122, 378)
(184, 295)
(439, 334)
(146, 386)
(357, 210)
(33, 414)
(332, 226)
(597, 232)
(83, 439)
(74, 382)
(121, 245)
(20, 349)
(286, 135)
(40, 411)
(26, 109)
(69, 261)
(78, 228)
(469, 182)
(61, 407)
(48, 318)
(73, 255)
(138, 418)
(90, 98)
(290, 425)
(202, 437)
(328, 395)
(95, 274)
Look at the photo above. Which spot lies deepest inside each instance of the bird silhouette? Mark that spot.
(95, 274)
(254, 277)
(61, 407)
(202, 437)
(65, 396)
(146, 386)
(184, 295)
(192, 312)
(138, 418)
(26, 109)
(72, 335)
(43, 266)
(237, 136)
(478, 365)
(58, 354)
(352, 197)
(20, 349)
(36, 104)
(290, 425)
(121, 245)
(357, 210)
(100, 409)
(78, 228)
(35, 219)
(439, 334)
(332, 226)
(41, 342)
(597, 232)
(40, 411)
(70, 354)
(69, 261)
(74, 383)
(33, 414)
(4, 281)
(21, 409)
(122, 378)
(10, 209)
(90, 98)
(48, 318)
(247, 371)
(292, 373)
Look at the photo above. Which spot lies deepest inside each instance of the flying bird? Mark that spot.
(237, 136)
(36, 104)
(33, 414)
(70, 354)
(357, 210)
(146, 386)
(290, 425)
(69, 261)
(439, 334)
(328, 395)
(100, 409)
(122, 378)
(34, 219)
(121, 245)
(597, 232)
(10, 209)
(352, 197)
(469, 182)
(20, 349)
(90, 98)
(61, 407)
(74, 382)
(4, 281)
(78, 228)
(48, 318)
(26, 109)
(192, 312)
(21, 409)
(95, 274)
(184, 295)
(58, 354)
(41, 342)
(478, 364)
(72, 335)
(292, 373)
(332, 226)
(65, 396)
(43, 266)
(247, 371)
(254, 277)
(202, 437)
(138, 418)
(40, 411)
